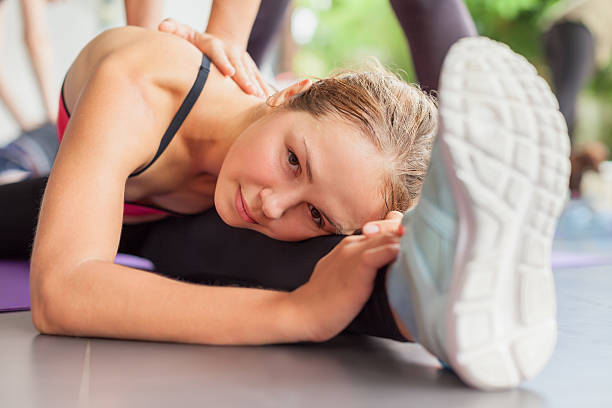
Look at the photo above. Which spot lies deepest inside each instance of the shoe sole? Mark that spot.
(507, 148)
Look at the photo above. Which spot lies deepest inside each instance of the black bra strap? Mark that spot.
(182, 113)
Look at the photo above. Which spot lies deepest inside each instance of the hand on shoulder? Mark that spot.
(230, 59)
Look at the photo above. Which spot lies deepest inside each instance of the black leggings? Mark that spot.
(430, 26)
(201, 249)
(570, 51)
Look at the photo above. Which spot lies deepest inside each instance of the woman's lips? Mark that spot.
(241, 207)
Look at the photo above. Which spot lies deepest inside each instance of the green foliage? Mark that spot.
(506, 9)
(351, 30)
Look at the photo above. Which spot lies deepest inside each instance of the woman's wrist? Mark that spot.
(290, 318)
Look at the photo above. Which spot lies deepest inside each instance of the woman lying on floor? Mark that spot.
(297, 167)
(314, 159)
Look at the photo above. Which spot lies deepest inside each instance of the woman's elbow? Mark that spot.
(46, 301)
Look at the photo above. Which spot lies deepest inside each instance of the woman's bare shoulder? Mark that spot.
(146, 54)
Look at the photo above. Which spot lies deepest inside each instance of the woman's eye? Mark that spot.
(316, 216)
(293, 159)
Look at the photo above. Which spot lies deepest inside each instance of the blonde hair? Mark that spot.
(399, 118)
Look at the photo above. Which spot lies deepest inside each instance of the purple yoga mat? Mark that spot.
(14, 286)
(15, 289)
(15, 281)
(579, 260)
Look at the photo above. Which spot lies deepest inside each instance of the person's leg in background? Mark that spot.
(33, 152)
(30, 155)
(36, 38)
(570, 52)
(267, 24)
(431, 27)
(6, 95)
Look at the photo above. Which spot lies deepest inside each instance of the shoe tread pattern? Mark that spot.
(509, 145)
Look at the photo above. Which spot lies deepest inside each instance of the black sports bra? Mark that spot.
(180, 115)
(175, 124)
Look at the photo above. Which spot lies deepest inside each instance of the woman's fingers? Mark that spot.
(391, 223)
(394, 215)
(380, 250)
(380, 256)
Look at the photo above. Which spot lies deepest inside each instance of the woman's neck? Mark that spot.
(213, 131)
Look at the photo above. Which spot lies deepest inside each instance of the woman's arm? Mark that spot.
(98, 298)
(76, 289)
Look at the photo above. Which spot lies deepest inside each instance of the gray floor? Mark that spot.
(48, 371)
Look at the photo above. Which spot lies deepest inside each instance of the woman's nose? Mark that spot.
(275, 203)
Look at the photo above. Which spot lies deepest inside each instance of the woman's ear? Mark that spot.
(284, 95)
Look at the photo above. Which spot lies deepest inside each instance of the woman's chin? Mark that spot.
(223, 214)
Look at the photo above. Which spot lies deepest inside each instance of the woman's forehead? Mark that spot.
(351, 171)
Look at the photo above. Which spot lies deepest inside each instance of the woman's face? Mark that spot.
(292, 176)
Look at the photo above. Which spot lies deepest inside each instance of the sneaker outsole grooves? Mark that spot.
(508, 149)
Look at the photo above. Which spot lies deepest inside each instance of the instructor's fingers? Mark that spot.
(209, 45)
(241, 77)
(266, 90)
(251, 69)
(172, 26)
(215, 50)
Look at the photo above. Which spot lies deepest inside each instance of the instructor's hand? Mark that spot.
(230, 59)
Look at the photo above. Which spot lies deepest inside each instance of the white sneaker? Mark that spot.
(473, 277)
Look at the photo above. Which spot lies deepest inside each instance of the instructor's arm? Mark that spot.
(225, 42)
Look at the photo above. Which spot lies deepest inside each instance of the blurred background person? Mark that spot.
(36, 39)
(35, 150)
(577, 43)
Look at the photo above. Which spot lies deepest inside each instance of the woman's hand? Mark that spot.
(341, 284)
(230, 59)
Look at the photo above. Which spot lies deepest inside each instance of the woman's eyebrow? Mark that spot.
(337, 227)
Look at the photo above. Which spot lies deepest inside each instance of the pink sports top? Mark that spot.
(134, 208)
